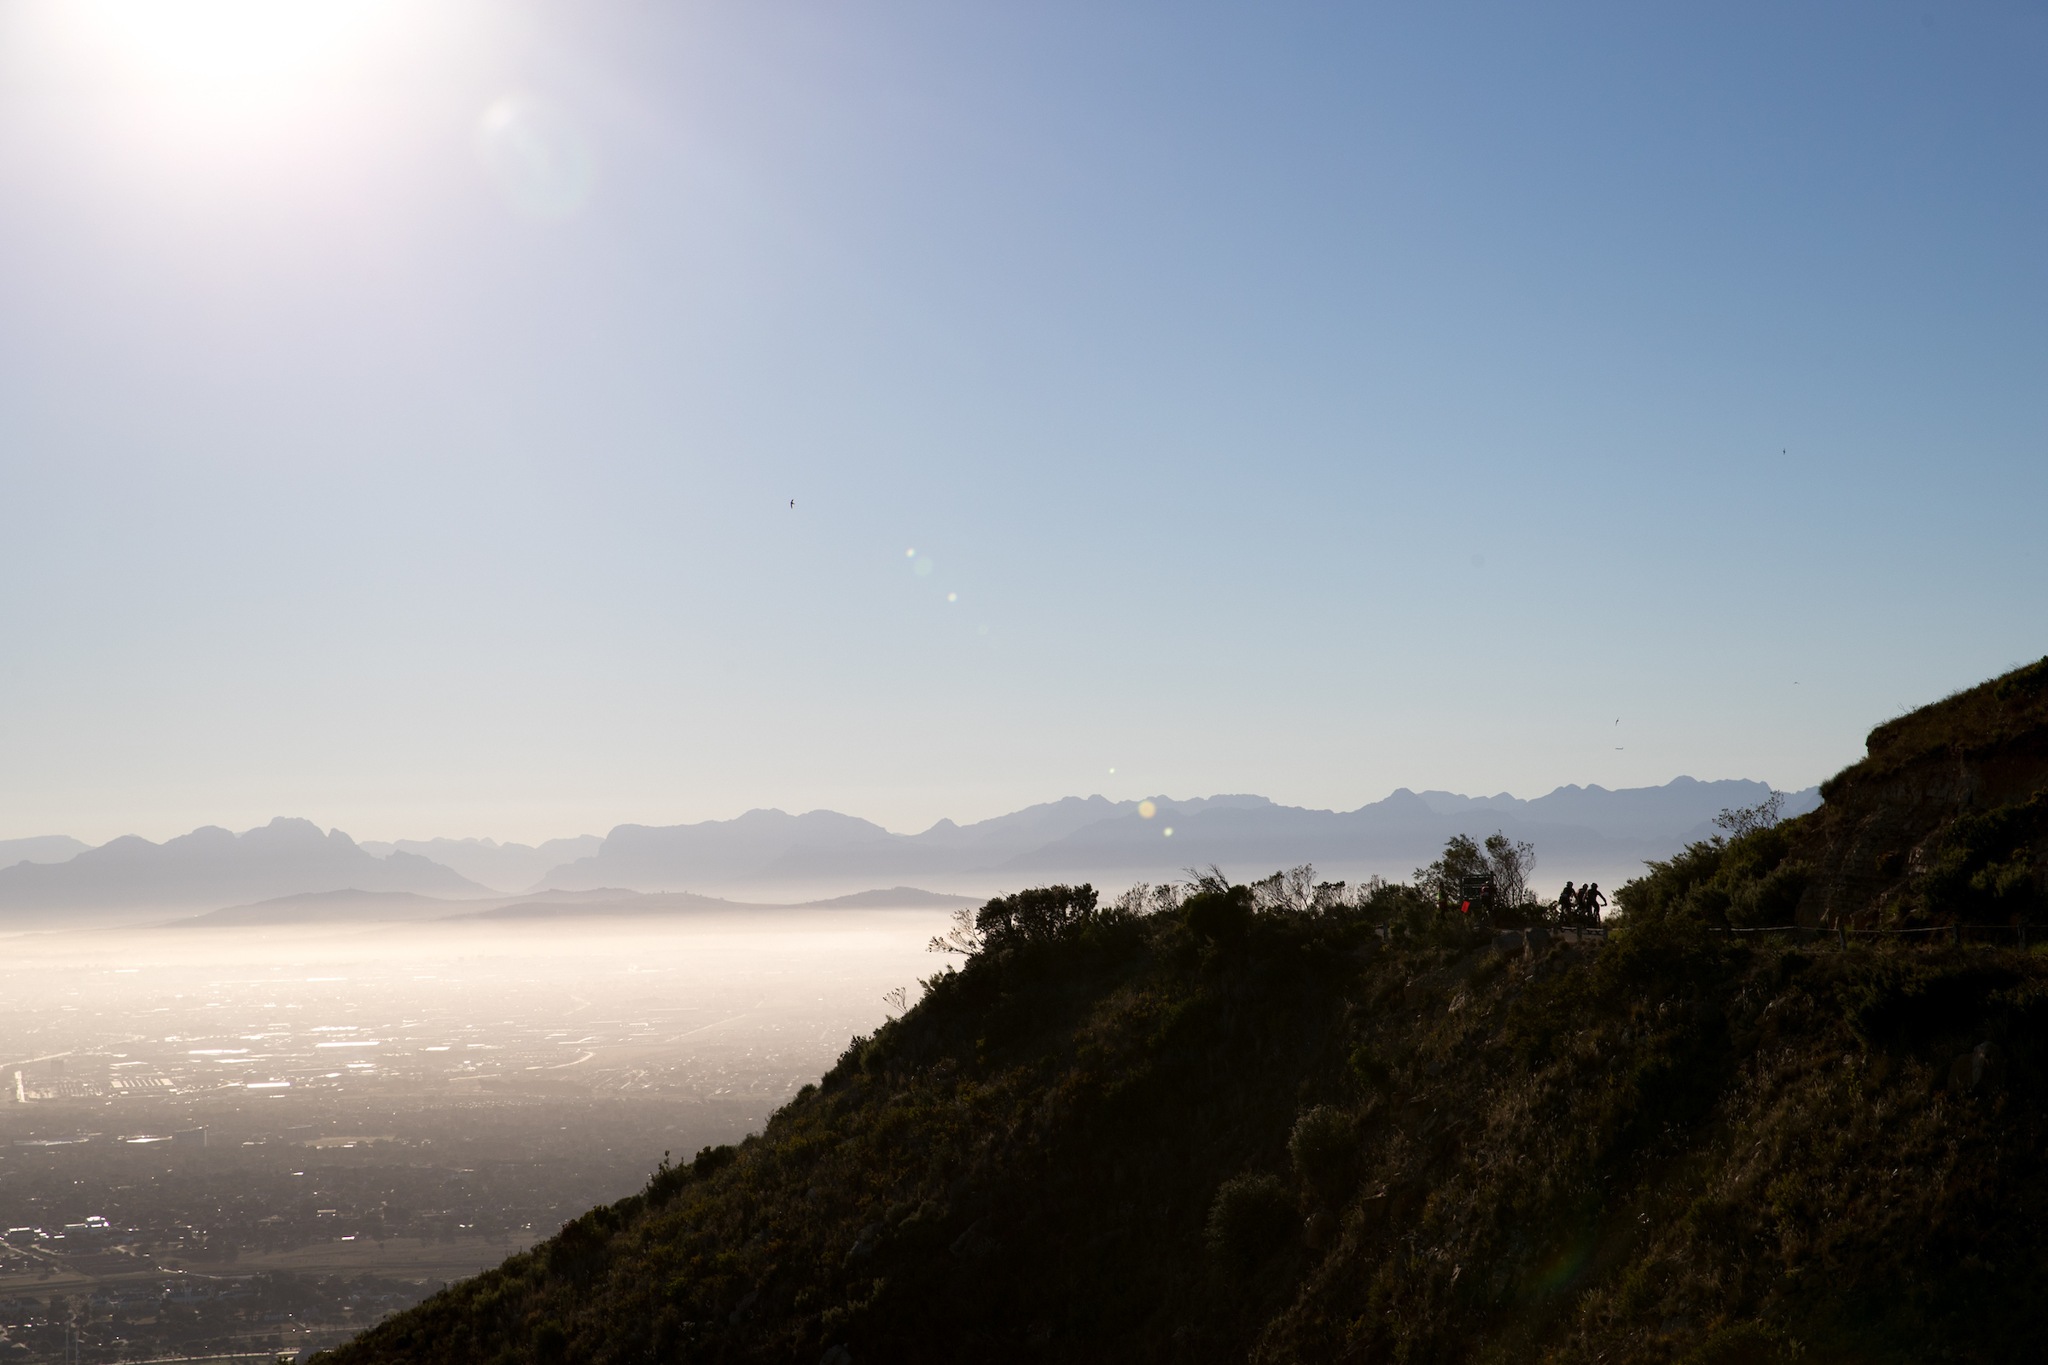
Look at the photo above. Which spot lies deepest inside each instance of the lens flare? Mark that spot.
(539, 159)
(1146, 810)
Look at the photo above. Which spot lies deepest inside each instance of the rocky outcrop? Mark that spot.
(1945, 819)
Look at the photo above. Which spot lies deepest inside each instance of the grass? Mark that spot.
(1135, 1142)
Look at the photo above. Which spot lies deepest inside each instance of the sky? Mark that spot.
(402, 403)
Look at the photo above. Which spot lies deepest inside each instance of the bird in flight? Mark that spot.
(792, 504)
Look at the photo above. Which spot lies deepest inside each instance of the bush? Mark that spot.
(1371, 1073)
(1750, 881)
(1983, 865)
(550, 1342)
(1219, 914)
(1323, 1148)
(1250, 1216)
(1039, 915)
(1743, 1343)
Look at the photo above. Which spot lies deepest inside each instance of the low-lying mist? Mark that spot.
(407, 1102)
(693, 1006)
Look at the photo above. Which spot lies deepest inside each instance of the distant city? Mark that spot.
(248, 1138)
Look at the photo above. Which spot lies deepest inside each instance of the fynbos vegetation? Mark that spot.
(1290, 1121)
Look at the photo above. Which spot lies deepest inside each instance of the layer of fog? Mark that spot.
(743, 1007)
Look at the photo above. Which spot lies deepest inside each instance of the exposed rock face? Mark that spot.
(1945, 818)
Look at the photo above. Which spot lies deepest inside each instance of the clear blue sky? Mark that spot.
(400, 409)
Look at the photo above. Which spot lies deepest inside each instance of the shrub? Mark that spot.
(1038, 915)
(1250, 1216)
(711, 1159)
(1373, 1074)
(1743, 1343)
(550, 1342)
(1748, 881)
(1983, 864)
(1324, 1148)
(1219, 914)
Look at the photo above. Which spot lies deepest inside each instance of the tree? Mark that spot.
(1147, 899)
(1510, 862)
(1742, 820)
(1497, 871)
(1034, 916)
(1214, 909)
(1298, 890)
(1462, 865)
(960, 937)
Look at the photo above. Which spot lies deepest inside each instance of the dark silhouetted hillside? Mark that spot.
(1278, 1125)
(1942, 826)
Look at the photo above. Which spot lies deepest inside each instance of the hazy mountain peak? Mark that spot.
(213, 866)
(42, 848)
(505, 866)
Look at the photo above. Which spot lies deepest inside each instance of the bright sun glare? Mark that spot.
(229, 53)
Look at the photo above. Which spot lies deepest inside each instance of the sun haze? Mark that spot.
(402, 404)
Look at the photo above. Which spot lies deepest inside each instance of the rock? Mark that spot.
(836, 1354)
(863, 1243)
(745, 1308)
(1535, 941)
(1508, 941)
(1981, 1068)
(975, 1243)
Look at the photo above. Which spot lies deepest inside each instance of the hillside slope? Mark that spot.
(1304, 1129)
(1945, 819)
(1679, 1141)
(1942, 828)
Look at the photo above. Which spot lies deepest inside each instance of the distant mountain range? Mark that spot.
(1579, 832)
(490, 863)
(49, 848)
(214, 866)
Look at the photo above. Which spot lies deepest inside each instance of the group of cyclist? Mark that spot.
(1577, 907)
(1581, 905)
